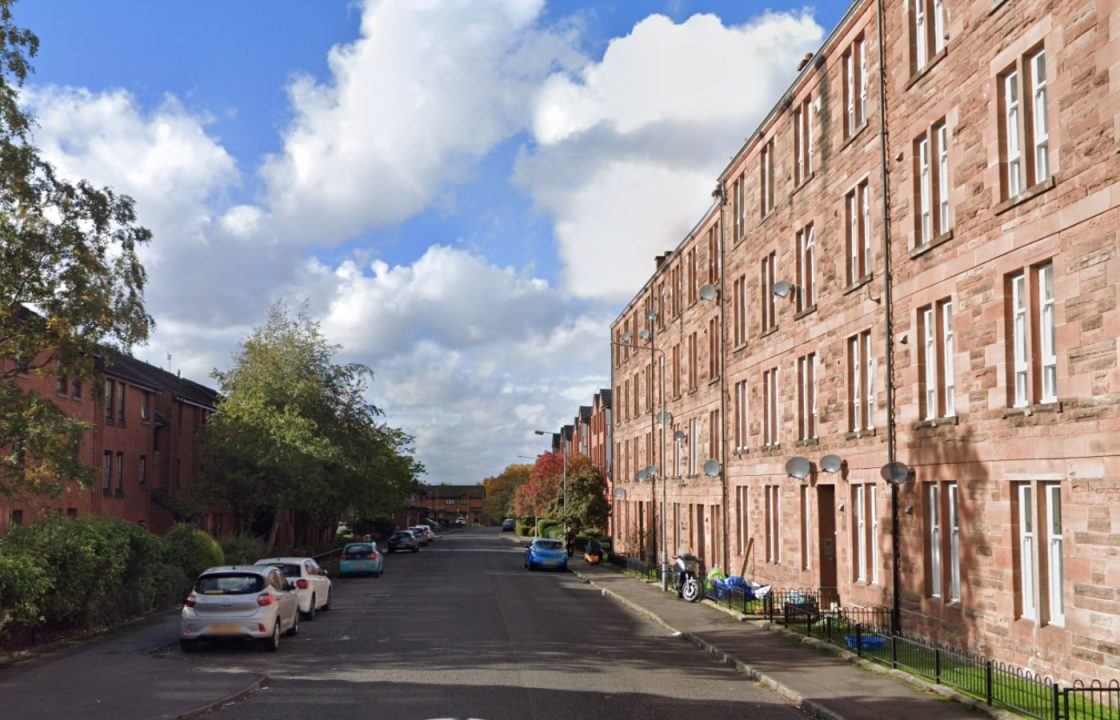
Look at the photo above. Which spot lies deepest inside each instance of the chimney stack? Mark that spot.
(659, 261)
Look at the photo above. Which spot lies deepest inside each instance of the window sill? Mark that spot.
(741, 452)
(738, 348)
(928, 66)
(1028, 410)
(802, 313)
(769, 214)
(941, 239)
(1029, 194)
(855, 434)
(808, 179)
(811, 442)
(936, 422)
(769, 331)
(996, 6)
(857, 284)
(691, 392)
(854, 136)
(713, 381)
(771, 448)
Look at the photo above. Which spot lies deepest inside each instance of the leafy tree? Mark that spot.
(71, 285)
(501, 488)
(587, 494)
(293, 432)
(538, 496)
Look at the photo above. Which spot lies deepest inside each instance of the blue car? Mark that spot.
(543, 553)
(360, 559)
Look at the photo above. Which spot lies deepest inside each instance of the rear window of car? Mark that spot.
(401, 536)
(357, 551)
(229, 584)
(549, 544)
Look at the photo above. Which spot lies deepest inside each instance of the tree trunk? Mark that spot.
(274, 529)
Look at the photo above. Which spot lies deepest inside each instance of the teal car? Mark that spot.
(362, 558)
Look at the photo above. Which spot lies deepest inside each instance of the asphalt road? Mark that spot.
(460, 630)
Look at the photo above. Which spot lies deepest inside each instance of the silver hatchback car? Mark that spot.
(239, 602)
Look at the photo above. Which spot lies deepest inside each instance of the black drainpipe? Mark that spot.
(888, 312)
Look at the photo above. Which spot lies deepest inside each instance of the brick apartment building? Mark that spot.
(445, 504)
(144, 425)
(912, 258)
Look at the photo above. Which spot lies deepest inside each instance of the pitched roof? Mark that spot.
(150, 376)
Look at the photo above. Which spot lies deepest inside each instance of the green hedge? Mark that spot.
(243, 549)
(67, 573)
(523, 529)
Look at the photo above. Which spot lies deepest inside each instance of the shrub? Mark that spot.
(23, 585)
(192, 550)
(551, 528)
(243, 549)
(147, 582)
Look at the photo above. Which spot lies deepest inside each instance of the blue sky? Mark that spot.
(443, 203)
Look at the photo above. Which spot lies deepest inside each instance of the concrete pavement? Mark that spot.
(814, 679)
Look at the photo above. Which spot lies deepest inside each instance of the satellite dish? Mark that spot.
(650, 315)
(781, 288)
(712, 468)
(708, 292)
(619, 493)
(640, 476)
(798, 467)
(665, 416)
(651, 471)
(626, 336)
(679, 436)
(831, 463)
(895, 473)
(645, 335)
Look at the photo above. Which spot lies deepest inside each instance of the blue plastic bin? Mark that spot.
(871, 643)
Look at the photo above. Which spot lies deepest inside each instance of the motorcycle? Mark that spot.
(686, 578)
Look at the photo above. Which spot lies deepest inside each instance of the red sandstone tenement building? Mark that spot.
(445, 504)
(971, 150)
(143, 440)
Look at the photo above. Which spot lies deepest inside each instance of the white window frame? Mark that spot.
(947, 359)
(1027, 584)
(925, 193)
(854, 243)
(857, 378)
(859, 516)
(1041, 135)
(1021, 373)
(942, 140)
(1055, 566)
(693, 441)
(933, 500)
(862, 80)
(743, 418)
(849, 61)
(1046, 333)
(774, 497)
(938, 26)
(742, 205)
(873, 512)
(929, 351)
(954, 543)
(1011, 130)
(921, 50)
(807, 377)
(869, 382)
(865, 225)
(676, 458)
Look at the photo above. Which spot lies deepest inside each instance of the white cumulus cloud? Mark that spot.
(628, 148)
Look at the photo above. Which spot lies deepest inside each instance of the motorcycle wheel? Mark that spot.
(691, 590)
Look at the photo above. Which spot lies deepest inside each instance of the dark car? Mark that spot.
(403, 540)
(507, 525)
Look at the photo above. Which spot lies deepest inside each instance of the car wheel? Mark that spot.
(294, 629)
(310, 614)
(327, 602)
(272, 642)
(188, 646)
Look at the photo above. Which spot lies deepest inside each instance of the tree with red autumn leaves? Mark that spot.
(542, 495)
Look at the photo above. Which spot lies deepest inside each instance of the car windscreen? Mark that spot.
(400, 536)
(549, 544)
(229, 584)
(287, 570)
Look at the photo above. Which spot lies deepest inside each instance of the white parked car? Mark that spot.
(238, 602)
(311, 582)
